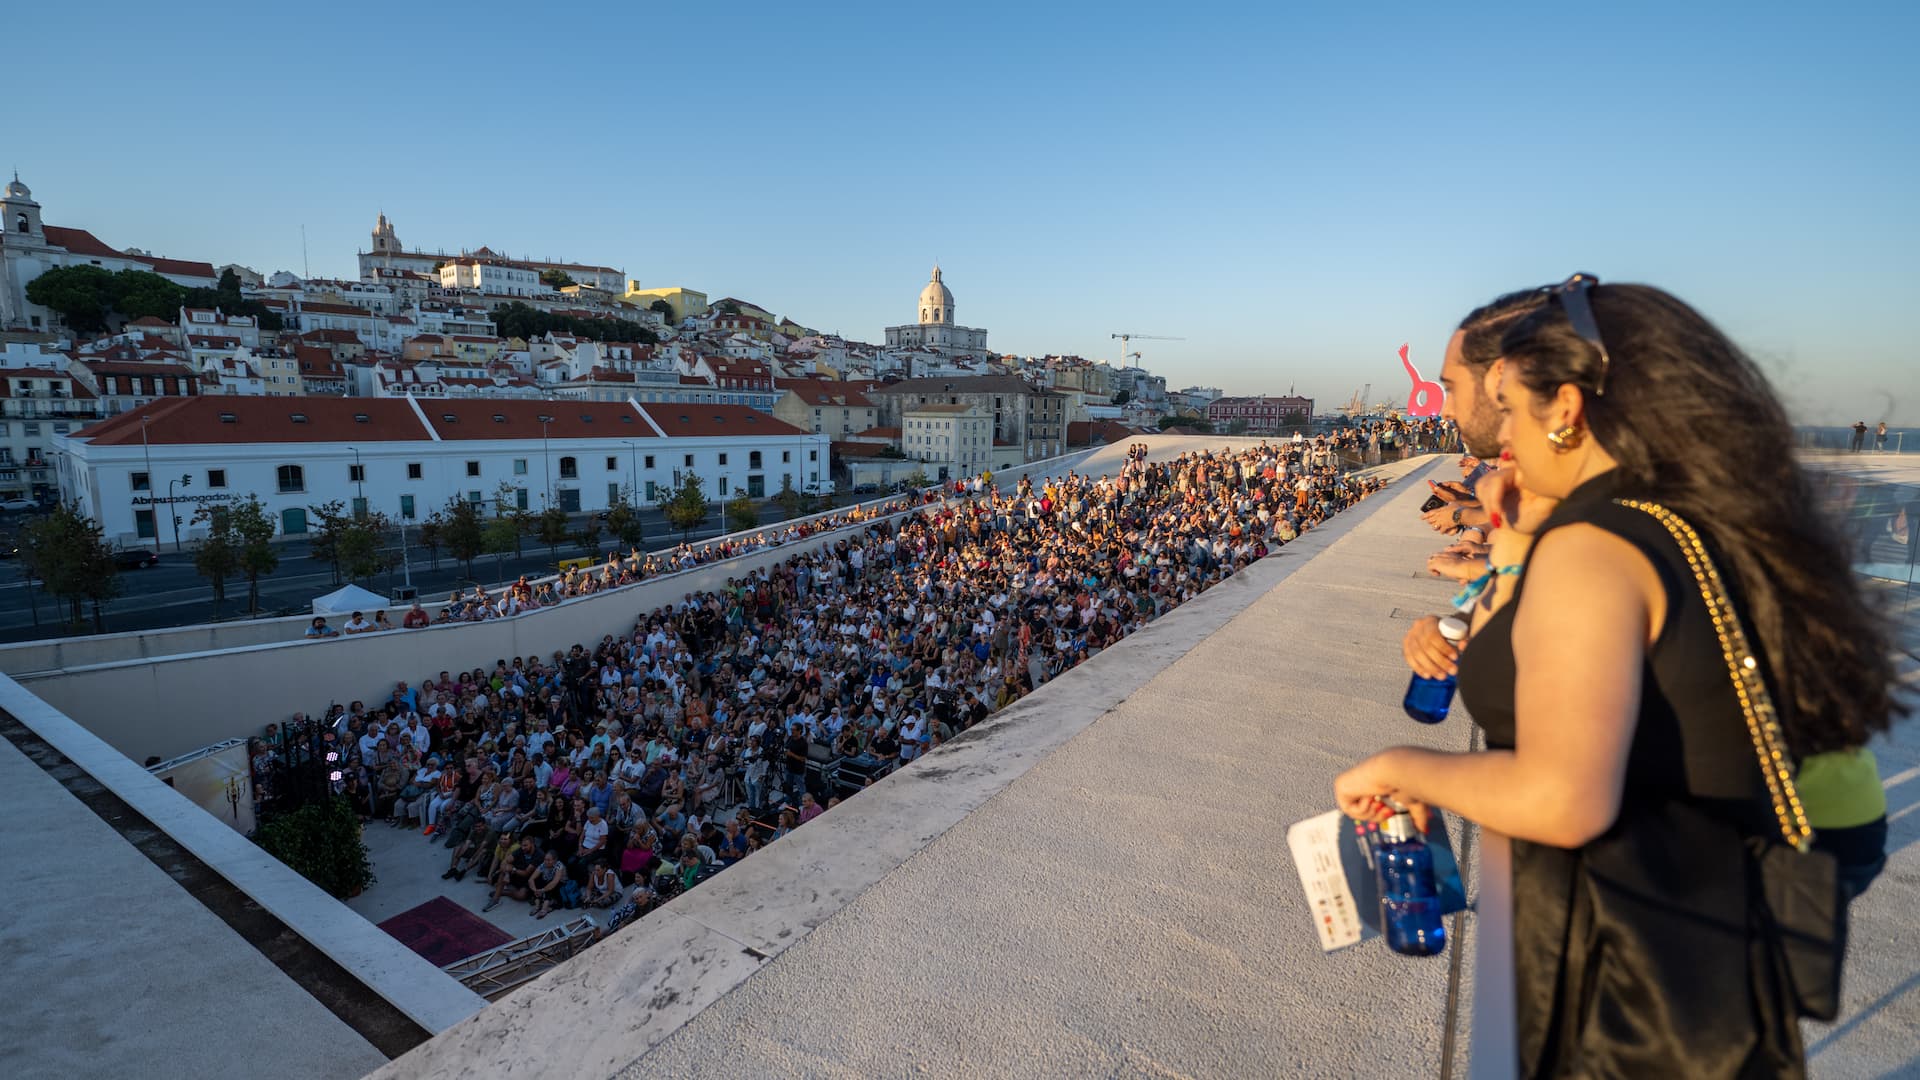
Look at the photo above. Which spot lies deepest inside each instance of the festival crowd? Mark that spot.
(621, 774)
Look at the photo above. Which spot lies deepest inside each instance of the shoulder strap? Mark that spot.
(1756, 703)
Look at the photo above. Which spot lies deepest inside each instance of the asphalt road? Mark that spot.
(174, 594)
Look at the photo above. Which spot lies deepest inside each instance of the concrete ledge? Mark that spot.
(418, 989)
(599, 1013)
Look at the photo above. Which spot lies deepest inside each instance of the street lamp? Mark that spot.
(359, 482)
(186, 480)
(546, 459)
(146, 452)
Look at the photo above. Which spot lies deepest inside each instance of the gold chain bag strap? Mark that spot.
(1806, 911)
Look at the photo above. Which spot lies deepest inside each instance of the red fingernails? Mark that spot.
(1496, 519)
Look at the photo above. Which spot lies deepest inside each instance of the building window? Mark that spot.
(813, 455)
(31, 429)
(569, 469)
(292, 478)
(613, 492)
(689, 461)
(406, 507)
(753, 459)
(519, 466)
(143, 524)
(613, 462)
(413, 470)
(520, 498)
(649, 456)
(653, 492)
(786, 456)
(216, 478)
(356, 474)
(359, 507)
(723, 460)
(140, 482)
(473, 468)
(474, 498)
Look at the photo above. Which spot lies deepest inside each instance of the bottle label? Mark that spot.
(1338, 861)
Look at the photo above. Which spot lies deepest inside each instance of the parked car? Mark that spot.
(866, 489)
(135, 558)
(18, 504)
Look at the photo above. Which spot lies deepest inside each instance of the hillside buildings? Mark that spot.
(1260, 415)
(30, 247)
(474, 269)
(936, 330)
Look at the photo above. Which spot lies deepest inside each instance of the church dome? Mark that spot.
(936, 301)
(18, 190)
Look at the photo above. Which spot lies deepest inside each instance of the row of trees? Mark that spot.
(521, 321)
(91, 298)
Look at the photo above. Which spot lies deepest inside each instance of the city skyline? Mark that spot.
(1294, 195)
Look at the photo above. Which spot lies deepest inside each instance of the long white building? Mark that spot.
(405, 458)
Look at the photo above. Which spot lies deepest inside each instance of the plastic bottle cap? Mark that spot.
(1399, 828)
(1453, 628)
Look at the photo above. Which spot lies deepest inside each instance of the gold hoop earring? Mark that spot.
(1567, 438)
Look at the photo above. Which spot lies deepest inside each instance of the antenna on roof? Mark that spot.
(306, 271)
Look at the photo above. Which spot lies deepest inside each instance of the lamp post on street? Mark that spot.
(546, 457)
(186, 480)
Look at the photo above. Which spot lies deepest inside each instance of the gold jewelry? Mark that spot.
(1743, 669)
(1567, 438)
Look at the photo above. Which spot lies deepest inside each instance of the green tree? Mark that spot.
(556, 277)
(432, 532)
(330, 523)
(552, 529)
(71, 555)
(81, 295)
(623, 521)
(791, 501)
(141, 293)
(359, 547)
(741, 513)
(588, 535)
(506, 505)
(497, 539)
(250, 530)
(665, 309)
(917, 479)
(519, 320)
(227, 297)
(1236, 427)
(218, 556)
(687, 509)
(462, 532)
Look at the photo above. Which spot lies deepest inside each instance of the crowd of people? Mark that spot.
(620, 774)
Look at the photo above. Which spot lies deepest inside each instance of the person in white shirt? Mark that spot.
(417, 734)
(357, 624)
(593, 836)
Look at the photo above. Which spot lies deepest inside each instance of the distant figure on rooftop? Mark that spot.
(1859, 435)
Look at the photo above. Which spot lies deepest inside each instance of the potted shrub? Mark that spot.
(321, 842)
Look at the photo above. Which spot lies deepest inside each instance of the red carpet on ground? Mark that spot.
(443, 931)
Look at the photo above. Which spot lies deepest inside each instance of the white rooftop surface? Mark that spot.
(1097, 883)
(112, 969)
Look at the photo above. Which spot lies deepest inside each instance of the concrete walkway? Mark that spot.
(112, 969)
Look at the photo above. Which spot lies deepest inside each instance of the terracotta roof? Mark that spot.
(138, 368)
(861, 450)
(966, 384)
(82, 242)
(520, 419)
(334, 309)
(317, 363)
(201, 420)
(151, 320)
(1087, 432)
(825, 392)
(880, 433)
(941, 408)
(716, 420)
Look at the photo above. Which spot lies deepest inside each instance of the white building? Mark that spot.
(31, 248)
(954, 440)
(936, 329)
(495, 277)
(407, 458)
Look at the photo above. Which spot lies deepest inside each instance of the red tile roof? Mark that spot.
(879, 433)
(199, 420)
(475, 419)
(687, 419)
(82, 242)
(825, 392)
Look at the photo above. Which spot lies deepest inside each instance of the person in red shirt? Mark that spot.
(416, 617)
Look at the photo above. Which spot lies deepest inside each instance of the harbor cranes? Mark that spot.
(1125, 338)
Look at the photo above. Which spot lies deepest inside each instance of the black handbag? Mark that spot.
(1798, 904)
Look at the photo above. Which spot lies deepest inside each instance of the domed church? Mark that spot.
(936, 329)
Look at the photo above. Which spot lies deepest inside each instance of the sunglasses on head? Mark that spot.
(1572, 294)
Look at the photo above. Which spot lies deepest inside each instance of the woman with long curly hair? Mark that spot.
(1621, 756)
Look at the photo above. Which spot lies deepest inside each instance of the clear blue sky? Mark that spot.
(1294, 193)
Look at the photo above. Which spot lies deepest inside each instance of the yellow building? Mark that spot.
(684, 302)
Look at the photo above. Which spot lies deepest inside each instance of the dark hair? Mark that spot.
(1695, 425)
(1485, 325)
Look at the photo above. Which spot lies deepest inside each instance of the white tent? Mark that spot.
(350, 599)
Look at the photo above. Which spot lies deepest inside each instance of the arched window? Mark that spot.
(569, 469)
(292, 478)
(753, 460)
(20, 221)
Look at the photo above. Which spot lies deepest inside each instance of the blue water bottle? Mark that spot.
(1409, 899)
(1427, 699)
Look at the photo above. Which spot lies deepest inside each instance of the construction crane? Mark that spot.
(1125, 338)
(1358, 405)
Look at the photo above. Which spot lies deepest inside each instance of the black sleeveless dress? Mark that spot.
(1637, 954)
